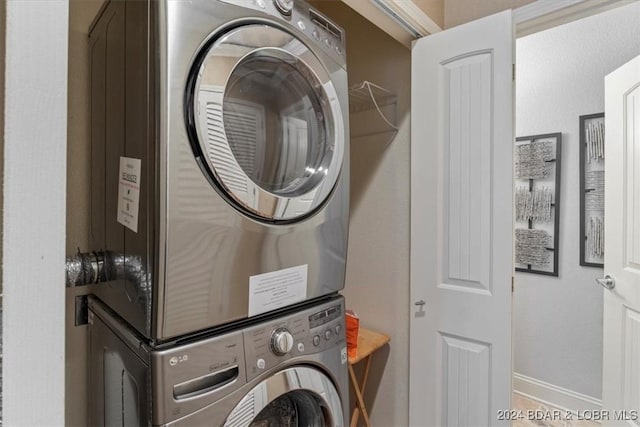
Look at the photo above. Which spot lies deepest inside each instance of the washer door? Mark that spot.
(266, 123)
(299, 396)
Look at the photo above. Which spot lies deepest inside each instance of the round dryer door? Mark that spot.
(299, 396)
(266, 122)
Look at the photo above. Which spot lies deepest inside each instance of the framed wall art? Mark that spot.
(592, 190)
(537, 199)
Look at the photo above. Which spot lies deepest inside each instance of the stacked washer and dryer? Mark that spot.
(220, 194)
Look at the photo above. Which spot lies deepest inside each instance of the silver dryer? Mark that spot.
(220, 159)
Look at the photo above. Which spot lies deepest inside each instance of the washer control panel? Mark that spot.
(310, 331)
(281, 341)
(284, 6)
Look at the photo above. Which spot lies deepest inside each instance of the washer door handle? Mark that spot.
(205, 384)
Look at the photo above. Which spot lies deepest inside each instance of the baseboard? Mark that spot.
(553, 395)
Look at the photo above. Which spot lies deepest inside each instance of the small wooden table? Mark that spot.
(368, 343)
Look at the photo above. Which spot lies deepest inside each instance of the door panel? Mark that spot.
(467, 163)
(632, 178)
(461, 221)
(467, 365)
(621, 341)
(631, 359)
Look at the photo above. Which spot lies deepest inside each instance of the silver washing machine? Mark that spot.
(285, 371)
(220, 159)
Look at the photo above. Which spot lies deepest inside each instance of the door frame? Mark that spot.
(541, 15)
(34, 210)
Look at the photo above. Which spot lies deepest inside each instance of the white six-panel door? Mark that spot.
(461, 224)
(621, 362)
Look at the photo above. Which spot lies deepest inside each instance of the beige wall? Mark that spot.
(81, 14)
(458, 12)
(434, 9)
(377, 286)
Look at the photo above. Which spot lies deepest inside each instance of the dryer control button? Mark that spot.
(327, 334)
(261, 4)
(261, 364)
(316, 340)
(338, 329)
(301, 25)
(316, 34)
(301, 347)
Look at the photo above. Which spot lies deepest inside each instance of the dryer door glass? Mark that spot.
(275, 120)
(267, 123)
(297, 396)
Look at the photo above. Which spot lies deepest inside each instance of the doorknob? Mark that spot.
(420, 303)
(608, 282)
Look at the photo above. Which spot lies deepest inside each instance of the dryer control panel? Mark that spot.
(324, 33)
(311, 331)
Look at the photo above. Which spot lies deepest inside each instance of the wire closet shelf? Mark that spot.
(366, 96)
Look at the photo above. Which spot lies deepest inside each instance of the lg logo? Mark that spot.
(178, 359)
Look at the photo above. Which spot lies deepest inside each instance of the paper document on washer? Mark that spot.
(129, 192)
(276, 289)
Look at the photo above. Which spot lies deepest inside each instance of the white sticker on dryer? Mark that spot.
(276, 289)
(129, 192)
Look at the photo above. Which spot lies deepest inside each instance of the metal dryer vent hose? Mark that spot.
(103, 266)
(85, 269)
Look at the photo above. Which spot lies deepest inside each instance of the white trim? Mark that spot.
(540, 8)
(544, 14)
(554, 395)
(35, 165)
(403, 20)
(410, 16)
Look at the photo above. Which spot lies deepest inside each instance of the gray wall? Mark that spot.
(3, 30)
(560, 76)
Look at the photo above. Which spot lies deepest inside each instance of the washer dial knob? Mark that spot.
(284, 6)
(281, 341)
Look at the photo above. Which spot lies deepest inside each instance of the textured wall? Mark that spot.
(377, 285)
(560, 76)
(3, 29)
